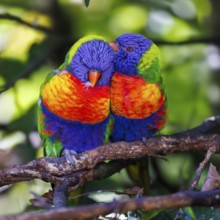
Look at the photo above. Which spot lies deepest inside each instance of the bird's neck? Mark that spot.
(149, 65)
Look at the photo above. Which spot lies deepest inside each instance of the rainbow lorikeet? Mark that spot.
(138, 98)
(74, 104)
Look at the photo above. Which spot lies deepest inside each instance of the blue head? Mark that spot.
(130, 48)
(91, 61)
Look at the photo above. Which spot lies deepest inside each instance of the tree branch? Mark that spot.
(58, 37)
(56, 170)
(177, 200)
(201, 167)
(207, 40)
(35, 64)
(62, 39)
(21, 21)
(90, 165)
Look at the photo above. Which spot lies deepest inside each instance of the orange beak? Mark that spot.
(113, 45)
(94, 76)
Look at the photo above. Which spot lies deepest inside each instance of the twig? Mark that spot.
(207, 40)
(210, 125)
(177, 200)
(21, 21)
(212, 180)
(197, 176)
(201, 167)
(37, 63)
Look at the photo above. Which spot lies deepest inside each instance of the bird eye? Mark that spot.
(129, 49)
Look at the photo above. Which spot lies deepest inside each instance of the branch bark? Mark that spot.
(177, 200)
(90, 165)
(33, 25)
(34, 65)
(56, 170)
(206, 40)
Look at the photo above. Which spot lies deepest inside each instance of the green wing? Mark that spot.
(108, 129)
(54, 148)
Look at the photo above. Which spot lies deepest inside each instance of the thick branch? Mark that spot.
(54, 169)
(177, 200)
(57, 170)
(32, 171)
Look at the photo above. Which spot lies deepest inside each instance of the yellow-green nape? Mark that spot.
(148, 57)
(76, 46)
(149, 65)
(61, 67)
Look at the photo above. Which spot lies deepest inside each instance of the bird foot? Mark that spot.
(71, 156)
(87, 85)
(144, 140)
(60, 71)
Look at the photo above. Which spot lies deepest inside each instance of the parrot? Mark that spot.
(138, 96)
(74, 102)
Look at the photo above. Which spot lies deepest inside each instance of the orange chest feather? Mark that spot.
(134, 98)
(67, 97)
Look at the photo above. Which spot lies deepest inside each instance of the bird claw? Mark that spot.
(87, 84)
(57, 71)
(70, 155)
(144, 140)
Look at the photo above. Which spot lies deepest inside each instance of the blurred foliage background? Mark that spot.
(36, 34)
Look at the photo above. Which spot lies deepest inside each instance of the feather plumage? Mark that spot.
(73, 114)
(138, 97)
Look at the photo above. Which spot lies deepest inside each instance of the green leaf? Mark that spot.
(200, 213)
(86, 2)
(134, 215)
(165, 215)
(148, 215)
(189, 213)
